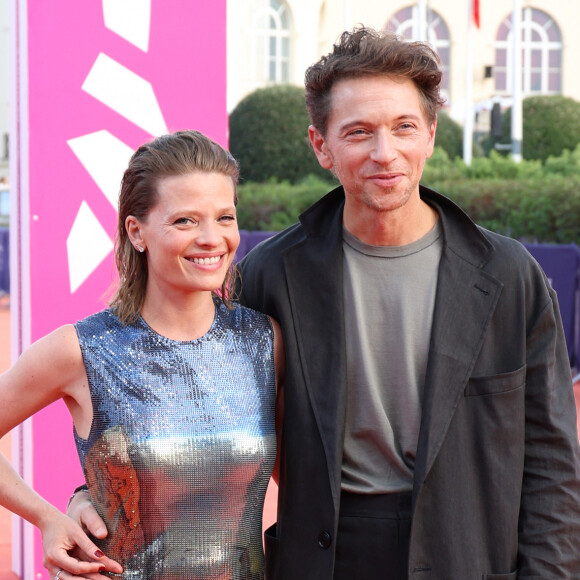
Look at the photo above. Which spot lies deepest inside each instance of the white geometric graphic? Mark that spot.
(87, 245)
(130, 19)
(105, 158)
(126, 93)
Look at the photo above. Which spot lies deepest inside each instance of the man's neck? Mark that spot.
(391, 228)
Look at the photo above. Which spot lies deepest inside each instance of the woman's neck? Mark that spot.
(179, 319)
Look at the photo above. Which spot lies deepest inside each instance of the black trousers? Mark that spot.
(373, 537)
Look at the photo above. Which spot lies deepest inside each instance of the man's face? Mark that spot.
(377, 141)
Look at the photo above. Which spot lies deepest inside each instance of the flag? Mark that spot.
(476, 12)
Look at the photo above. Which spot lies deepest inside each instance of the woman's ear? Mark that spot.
(133, 227)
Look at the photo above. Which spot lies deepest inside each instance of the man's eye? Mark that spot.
(228, 218)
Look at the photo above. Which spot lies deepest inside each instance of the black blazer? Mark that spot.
(497, 475)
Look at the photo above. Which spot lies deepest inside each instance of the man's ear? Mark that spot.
(319, 145)
(432, 132)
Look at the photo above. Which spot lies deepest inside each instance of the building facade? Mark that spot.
(273, 41)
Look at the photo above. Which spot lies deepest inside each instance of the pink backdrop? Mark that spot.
(179, 48)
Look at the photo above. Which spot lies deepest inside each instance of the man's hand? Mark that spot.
(82, 511)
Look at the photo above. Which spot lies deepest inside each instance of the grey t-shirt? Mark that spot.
(389, 293)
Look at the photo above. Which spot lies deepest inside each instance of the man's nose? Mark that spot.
(384, 149)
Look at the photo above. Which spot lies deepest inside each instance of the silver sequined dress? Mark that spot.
(182, 444)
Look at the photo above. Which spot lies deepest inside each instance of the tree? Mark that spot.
(449, 135)
(269, 136)
(551, 123)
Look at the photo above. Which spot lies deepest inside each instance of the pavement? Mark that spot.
(5, 516)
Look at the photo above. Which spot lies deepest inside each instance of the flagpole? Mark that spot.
(468, 116)
(422, 20)
(517, 116)
(347, 16)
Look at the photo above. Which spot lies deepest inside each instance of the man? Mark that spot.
(429, 419)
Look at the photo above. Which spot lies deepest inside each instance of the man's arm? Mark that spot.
(82, 511)
(549, 523)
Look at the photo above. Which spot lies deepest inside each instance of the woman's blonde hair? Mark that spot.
(178, 153)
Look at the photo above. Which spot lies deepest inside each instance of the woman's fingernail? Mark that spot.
(99, 554)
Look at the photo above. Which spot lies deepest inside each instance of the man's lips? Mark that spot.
(385, 177)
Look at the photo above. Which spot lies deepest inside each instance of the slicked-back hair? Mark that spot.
(365, 52)
(179, 153)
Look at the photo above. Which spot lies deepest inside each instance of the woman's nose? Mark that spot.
(208, 235)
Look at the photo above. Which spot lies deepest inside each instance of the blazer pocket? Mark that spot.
(271, 551)
(511, 576)
(493, 384)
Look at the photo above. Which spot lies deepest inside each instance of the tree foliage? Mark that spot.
(449, 135)
(529, 201)
(551, 123)
(269, 136)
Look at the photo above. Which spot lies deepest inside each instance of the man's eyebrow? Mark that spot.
(363, 123)
(351, 124)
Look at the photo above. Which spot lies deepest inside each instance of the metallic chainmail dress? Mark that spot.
(182, 444)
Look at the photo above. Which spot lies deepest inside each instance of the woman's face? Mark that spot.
(191, 233)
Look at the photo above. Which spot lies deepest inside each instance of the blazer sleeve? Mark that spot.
(549, 521)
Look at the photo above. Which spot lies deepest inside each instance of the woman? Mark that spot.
(171, 389)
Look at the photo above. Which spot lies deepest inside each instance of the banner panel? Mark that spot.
(104, 76)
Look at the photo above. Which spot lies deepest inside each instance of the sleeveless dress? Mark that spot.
(182, 444)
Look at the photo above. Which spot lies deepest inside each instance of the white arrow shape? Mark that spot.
(130, 19)
(105, 158)
(87, 245)
(126, 93)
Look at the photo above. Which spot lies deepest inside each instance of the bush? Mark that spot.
(567, 164)
(269, 136)
(273, 206)
(551, 123)
(523, 200)
(449, 137)
(440, 168)
(526, 200)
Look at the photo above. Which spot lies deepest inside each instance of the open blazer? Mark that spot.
(496, 491)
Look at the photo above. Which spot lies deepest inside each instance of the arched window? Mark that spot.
(541, 54)
(404, 23)
(272, 26)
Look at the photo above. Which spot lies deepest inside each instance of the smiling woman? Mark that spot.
(189, 238)
(171, 390)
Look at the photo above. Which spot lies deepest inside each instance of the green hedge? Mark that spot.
(276, 205)
(527, 200)
(269, 136)
(450, 137)
(551, 124)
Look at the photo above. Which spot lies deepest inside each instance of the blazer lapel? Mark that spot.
(314, 274)
(466, 298)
